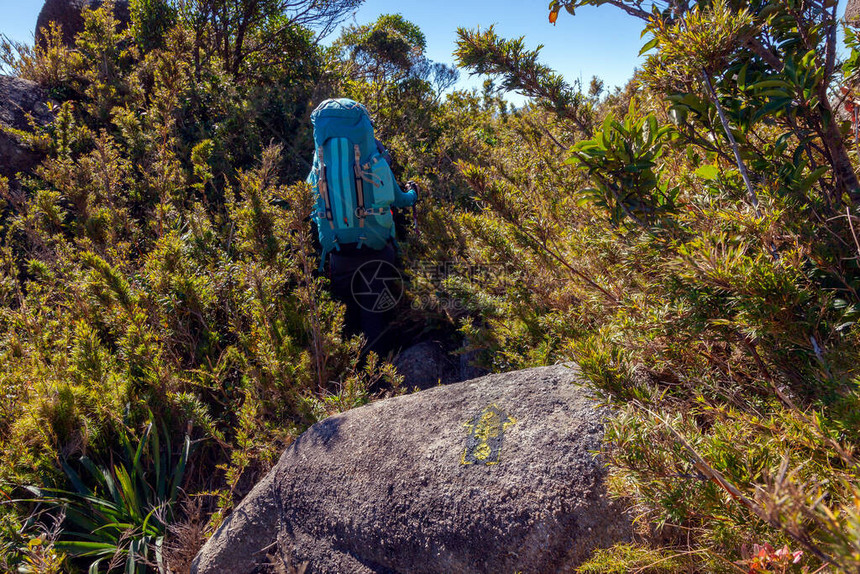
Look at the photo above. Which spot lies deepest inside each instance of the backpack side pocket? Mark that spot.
(382, 180)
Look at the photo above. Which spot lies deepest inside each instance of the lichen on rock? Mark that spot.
(386, 487)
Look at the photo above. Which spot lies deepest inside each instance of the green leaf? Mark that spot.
(135, 464)
(648, 46)
(638, 166)
(742, 77)
(652, 129)
(678, 115)
(160, 469)
(708, 171)
(85, 548)
(774, 93)
(75, 479)
(771, 84)
(145, 528)
(94, 471)
(179, 472)
(812, 178)
(769, 10)
(129, 495)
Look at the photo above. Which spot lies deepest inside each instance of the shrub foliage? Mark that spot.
(690, 240)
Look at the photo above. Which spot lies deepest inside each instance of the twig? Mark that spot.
(851, 225)
(716, 476)
(840, 450)
(734, 144)
(648, 566)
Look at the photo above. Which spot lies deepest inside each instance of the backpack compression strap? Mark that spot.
(322, 183)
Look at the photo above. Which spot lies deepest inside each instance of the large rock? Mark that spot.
(18, 99)
(493, 475)
(852, 13)
(68, 13)
(428, 364)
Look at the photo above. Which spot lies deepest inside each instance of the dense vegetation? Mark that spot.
(691, 241)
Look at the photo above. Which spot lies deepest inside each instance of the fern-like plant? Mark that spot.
(118, 516)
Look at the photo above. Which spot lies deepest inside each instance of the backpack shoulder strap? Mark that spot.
(322, 183)
(359, 192)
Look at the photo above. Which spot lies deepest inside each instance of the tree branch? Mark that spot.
(757, 48)
(734, 144)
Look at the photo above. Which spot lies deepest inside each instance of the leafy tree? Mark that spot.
(150, 21)
(778, 58)
(700, 267)
(235, 30)
(385, 51)
(388, 56)
(487, 53)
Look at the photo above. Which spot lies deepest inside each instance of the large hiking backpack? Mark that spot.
(353, 183)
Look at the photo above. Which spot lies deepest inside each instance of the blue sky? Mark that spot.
(597, 41)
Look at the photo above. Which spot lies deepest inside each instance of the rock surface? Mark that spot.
(18, 98)
(852, 12)
(427, 364)
(402, 486)
(67, 13)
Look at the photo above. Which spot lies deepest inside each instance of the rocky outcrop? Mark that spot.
(67, 13)
(19, 99)
(428, 364)
(852, 13)
(497, 474)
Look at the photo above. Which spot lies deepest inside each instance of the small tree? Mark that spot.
(774, 57)
(236, 29)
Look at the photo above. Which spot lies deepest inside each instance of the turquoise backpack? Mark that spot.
(352, 182)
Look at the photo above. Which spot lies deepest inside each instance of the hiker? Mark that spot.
(355, 191)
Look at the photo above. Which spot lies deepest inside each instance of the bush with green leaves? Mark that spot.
(690, 241)
(150, 22)
(158, 272)
(700, 266)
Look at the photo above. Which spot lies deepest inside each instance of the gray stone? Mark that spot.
(68, 13)
(468, 368)
(427, 364)
(18, 99)
(852, 13)
(384, 488)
